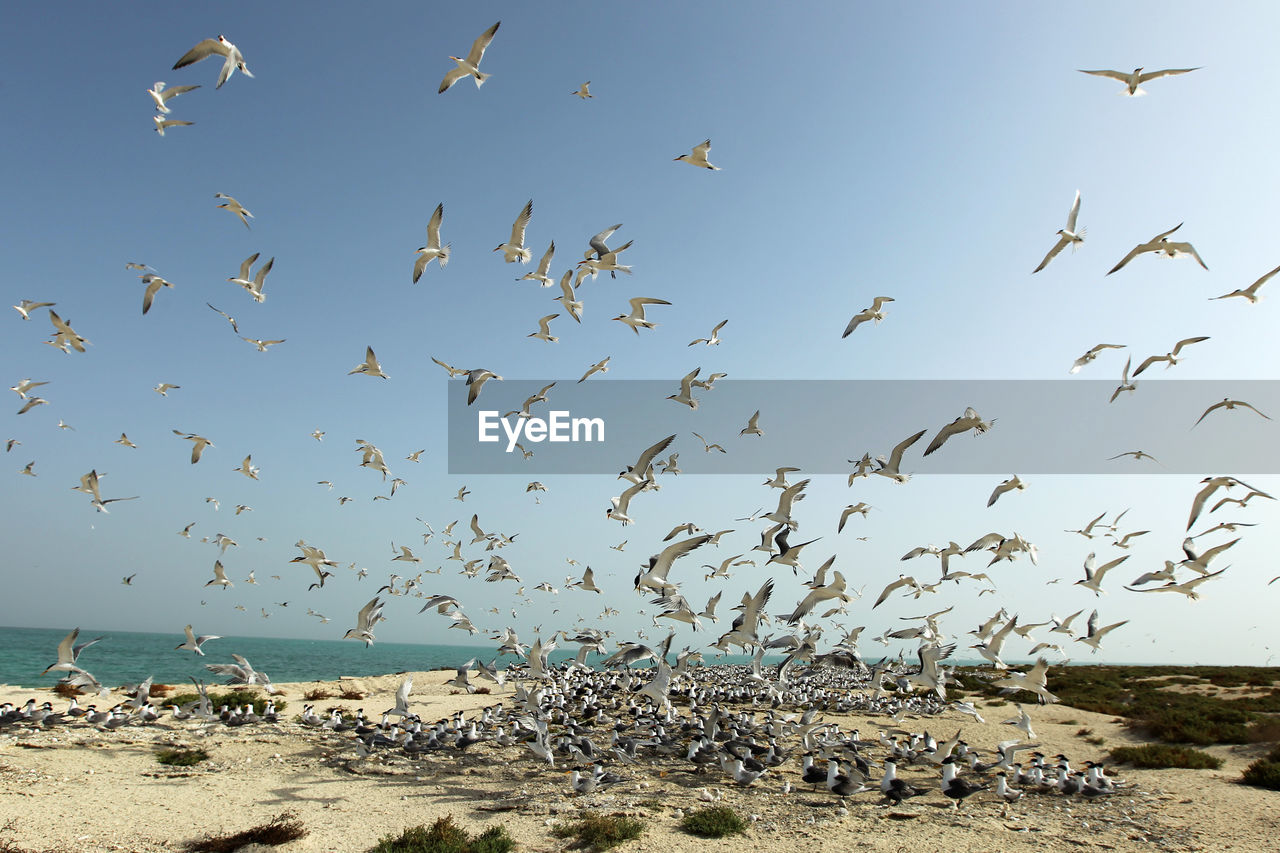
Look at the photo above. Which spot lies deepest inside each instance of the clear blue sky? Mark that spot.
(864, 150)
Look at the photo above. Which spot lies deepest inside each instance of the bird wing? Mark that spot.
(895, 458)
(1133, 253)
(1177, 348)
(247, 264)
(1114, 75)
(202, 50)
(452, 77)
(544, 265)
(645, 462)
(700, 151)
(521, 223)
(1152, 75)
(1075, 211)
(1053, 253)
(1150, 360)
(857, 320)
(433, 227)
(478, 46)
(1206, 413)
(1185, 248)
(953, 428)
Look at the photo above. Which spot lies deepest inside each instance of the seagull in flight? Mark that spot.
(1132, 80)
(699, 157)
(194, 643)
(1228, 404)
(220, 47)
(153, 283)
(598, 367)
(583, 92)
(636, 318)
(1161, 243)
(1068, 236)
(891, 467)
(1170, 357)
(753, 425)
(433, 251)
(515, 250)
(26, 306)
(163, 124)
(475, 381)
(253, 285)
(1009, 485)
(1138, 456)
(714, 340)
(1250, 292)
(237, 208)
(541, 274)
(262, 345)
(232, 320)
(1091, 355)
(970, 420)
(370, 366)
(161, 95)
(875, 312)
(470, 66)
(199, 441)
(544, 330)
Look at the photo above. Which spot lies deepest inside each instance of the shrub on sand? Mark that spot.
(445, 836)
(1162, 755)
(594, 831)
(713, 822)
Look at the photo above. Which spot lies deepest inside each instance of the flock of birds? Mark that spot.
(705, 716)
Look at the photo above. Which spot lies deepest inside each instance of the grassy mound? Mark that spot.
(1265, 772)
(445, 836)
(174, 757)
(1162, 755)
(713, 822)
(595, 831)
(279, 830)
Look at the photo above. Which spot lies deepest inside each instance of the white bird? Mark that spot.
(26, 306)
(1133, 79)
(1095, 634)
(124, 441)
(636, 319)
(714, 340)
(544, 329)
(862, 508)
(475, 381)
(199, 441)
(470, 66)
(515, 250)
(1250, 292)
(235, 207)
(1170, 357)
(1126, 384)
(573, 306)
(599, 367)
(1228, 404)
(220, 576)
(875, 312)
(753, 425)
(452, 371)
(619, 506)
(232, 320)
(970, 420)
(262, 345)
(654, 575)
(642, 470)
(249, 470)
(583, 92)
(220, 47)
(69, 653)
(253, 285)
(1161, 243)
(24, 386)
(368, 617)
(544, 267)
(433, 251)
(153, 283)
(163, 124)
(1009, 485)
(65, 333)
(1091, 355)
(1093, 574)
(685, 397)
(699, 156)
(164, 388)
(370, 366)
(161, 95)
(194, 643)
(891, 467)
(1066, 236)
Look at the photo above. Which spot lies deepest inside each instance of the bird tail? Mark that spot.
(480, 77)
(443, 257)
(1136, 93)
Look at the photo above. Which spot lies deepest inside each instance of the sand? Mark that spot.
(76, 788)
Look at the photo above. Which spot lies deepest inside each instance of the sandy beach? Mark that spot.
(76, 788)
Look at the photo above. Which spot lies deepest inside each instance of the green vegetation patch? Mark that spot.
(1265, 772)
(445, 836)
(231, 698)
(597, 832)
(1162, 755)
(713, 822)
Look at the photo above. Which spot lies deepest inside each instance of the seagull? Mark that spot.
(515, 250)
(164, 388)
(163, 124)
(461, 495)
(221, 47)
(1170, 357)
(229, 318)
(1095, 634)
(699, 156)
(161, 95)
(875, 312)
(235, 207)
(262, 345)
(433, 251)
(970, 420)
(475, 381)
(903, 580)
(1228, 404)
(220, 576)
(1160, 243)
(1090, 356)
(194, 643)
(753, 426)
(24, 386)
(370, 366)
(1187, 588)
(368, 617)
(1066, 236)
(582, 91)
(890, 467)
(1008, 485)
(598, 367)
(544, 267)
(654, 575)
(544, 330)
(714, 340)
(708, 447)
(127, 580)
(253, 285)
(26, 306)
(32, 403)
(686, 390)
(573, 306)
(27, 469)
(153, 283)
(65, 333)
(642, 470)
(1126, 384)
(619, 506)
(636, 318)
(1250, 292)
(453, 371)
(1136, 78)
(860, 507)
(69, 653)
(200, 444)
(1093, 576)
(124, 441)
(470, 66)
(248, 470)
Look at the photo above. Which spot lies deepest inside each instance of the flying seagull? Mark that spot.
(515, 250)
(470, 66)
(235, 207)
(1132, 80)
(699, 156)
(1160, 243)
(370, 366)
(970, 420)
(1172, 356)
(1066, 236)
(1228, 404)
(221, 47)
(1250, 292)
(433, 251)
(161, 95)
(583, 92)
(1091, 355)
(875, 312)
(194, 643)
